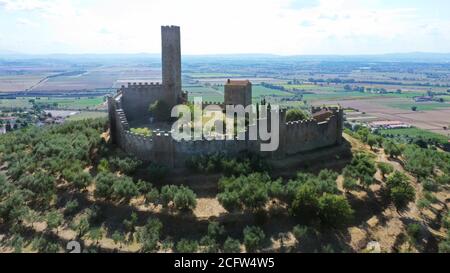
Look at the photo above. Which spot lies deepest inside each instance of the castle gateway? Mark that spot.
(130, 105)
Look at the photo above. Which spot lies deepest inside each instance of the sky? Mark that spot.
(284, 27)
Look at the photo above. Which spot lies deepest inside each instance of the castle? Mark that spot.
(131, 103)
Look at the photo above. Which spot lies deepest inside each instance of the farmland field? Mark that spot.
(423, 106)
(415, 132)
(60, 103)
(87, 115)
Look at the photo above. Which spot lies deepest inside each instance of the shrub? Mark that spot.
(71, 207)
(306, 203)
(430, 185)
(253, 238)
(187, 246)
(295, 115)
(350, 184)
(446, 221)
(215, 230)
(182, 197)
(149, 235)
(231, 246)
(210, 245)
(300, 232)
(152, 197)
(334, 210)
(104, 185)
(392, 149)
(125, 165)
(361, 168)
(413, 231)
(385, 168)
(250, 192)
(125, 188)
(400, 190)
(142, 131)
(185, 199)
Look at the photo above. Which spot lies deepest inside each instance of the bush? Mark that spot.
(350, 184)
(149, 235)
(295, 115)
(142, 131)
(430, 185)
(104, 185)
(231, 246)
(125, 188)
(187, 246)
(71, 207)
(215, 230)
(300, 233)
(210, 245)
(306, 203)
(152, 197)
(385, 168)
(334, 210)
(392, 149)
(413, 231)
(185, 199)
(361, 168)
(400, 190)
(182, 197)
(446, 221)
(125, 165)
(250, 192)
(443, 180)
(253, 238)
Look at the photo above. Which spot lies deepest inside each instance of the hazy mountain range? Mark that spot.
(391, 57)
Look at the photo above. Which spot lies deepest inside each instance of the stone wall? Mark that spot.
(307, 135)
(295, 138)
(137, 97)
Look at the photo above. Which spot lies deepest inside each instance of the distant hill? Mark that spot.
(391, 57)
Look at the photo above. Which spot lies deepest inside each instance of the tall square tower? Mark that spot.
(171, 63)
(238, 93)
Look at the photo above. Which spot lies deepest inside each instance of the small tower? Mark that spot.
(238, 93)
(171, 64)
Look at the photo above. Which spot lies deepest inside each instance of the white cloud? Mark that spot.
(25, 5)
(233, 26)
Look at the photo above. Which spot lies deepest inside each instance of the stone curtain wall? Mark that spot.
(137, 97)
(295, 137)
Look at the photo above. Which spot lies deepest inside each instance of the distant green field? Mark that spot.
(87, 115)
(415, 132)
(260, 91)
(62, 103)
(207, 93)
(212, 75)
(216, 95)
(312, 87)
(339, 95)
(420, 106)
(14, 103)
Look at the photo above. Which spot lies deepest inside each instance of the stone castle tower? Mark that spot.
(238, 93)
(171, 64)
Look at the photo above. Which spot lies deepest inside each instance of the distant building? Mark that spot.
(423, 99)
(238, 93)
(388, 124)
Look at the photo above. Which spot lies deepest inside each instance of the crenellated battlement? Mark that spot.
(131, 103)
(140, 85)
